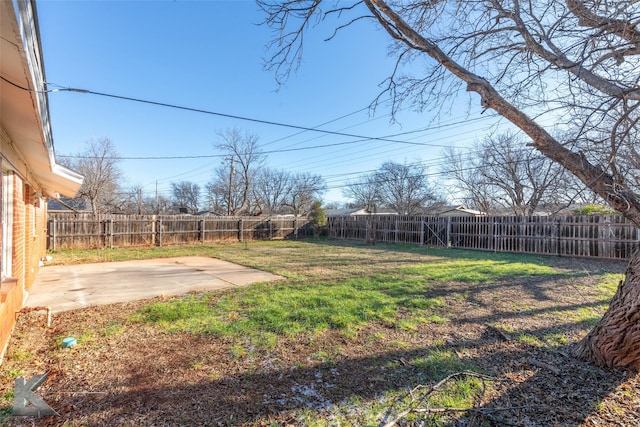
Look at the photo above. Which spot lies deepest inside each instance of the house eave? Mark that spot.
(27, 140)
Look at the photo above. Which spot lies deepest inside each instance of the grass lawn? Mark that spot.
(355, 335)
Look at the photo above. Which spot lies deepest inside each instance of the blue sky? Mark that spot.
(209, 55)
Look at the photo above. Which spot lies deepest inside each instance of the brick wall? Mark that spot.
(11, 296)
(31, 237)
(29, 245)
(18, 262)
(38, 248)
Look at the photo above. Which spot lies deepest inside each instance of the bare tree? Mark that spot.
(186, 195)
(245, 157)
(363, 192)
(305, 189)
(98, 163)
(161, 204)
(215, 197)
(270, 190)
(469, 184)
(133, 201)
(404, 187)
(567, 74)
(502, 173)
(225, 190)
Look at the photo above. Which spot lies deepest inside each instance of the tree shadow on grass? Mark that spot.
(179, 379)
(469, 254)
(150, 392)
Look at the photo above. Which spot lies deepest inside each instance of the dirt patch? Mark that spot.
(520, 332)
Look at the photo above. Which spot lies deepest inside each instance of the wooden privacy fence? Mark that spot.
(602, 236)
(84, 231)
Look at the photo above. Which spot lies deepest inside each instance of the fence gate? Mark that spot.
(436, 232)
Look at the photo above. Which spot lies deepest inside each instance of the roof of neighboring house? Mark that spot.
(207, 213)
(25, 129)
(340, 212)
(65, 204)
(359, 211)
(459, 210)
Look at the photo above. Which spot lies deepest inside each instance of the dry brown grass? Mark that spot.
(505, 316)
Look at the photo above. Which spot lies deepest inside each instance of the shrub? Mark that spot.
(593, 210)
(317, 218)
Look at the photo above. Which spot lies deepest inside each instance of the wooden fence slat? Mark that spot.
(83, 231)
(606, 237)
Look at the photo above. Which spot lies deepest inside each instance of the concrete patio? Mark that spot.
(68, 287)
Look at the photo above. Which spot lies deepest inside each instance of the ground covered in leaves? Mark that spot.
(488, 349)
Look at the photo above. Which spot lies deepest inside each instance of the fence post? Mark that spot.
(159, 227)
(110, 222)
(270, 229)
(522, 234)
(422, 231)
(240, 230)
(53, 233)
(366, 231)
(202, 224)
(397, 231)
(104, 232)
(153, 230)
(448, 236)
(374, 229)
(295, 226)
(558, 237)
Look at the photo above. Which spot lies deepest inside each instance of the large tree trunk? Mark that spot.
(615, 341)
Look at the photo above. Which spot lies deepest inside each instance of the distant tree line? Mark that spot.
(403, 188)
(241, 184)
(498, 175)
(501, 175)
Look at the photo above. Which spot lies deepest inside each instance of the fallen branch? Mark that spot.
(77, 392)
(432, 389)
(502, 333)
(544, 365)
(485, 412)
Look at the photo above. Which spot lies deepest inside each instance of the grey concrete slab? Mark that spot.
(67, 287)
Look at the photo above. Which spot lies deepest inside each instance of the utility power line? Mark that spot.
(227, 115)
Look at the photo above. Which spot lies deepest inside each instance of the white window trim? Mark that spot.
(7, 224)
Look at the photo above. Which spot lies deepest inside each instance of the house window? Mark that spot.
(7, 223)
